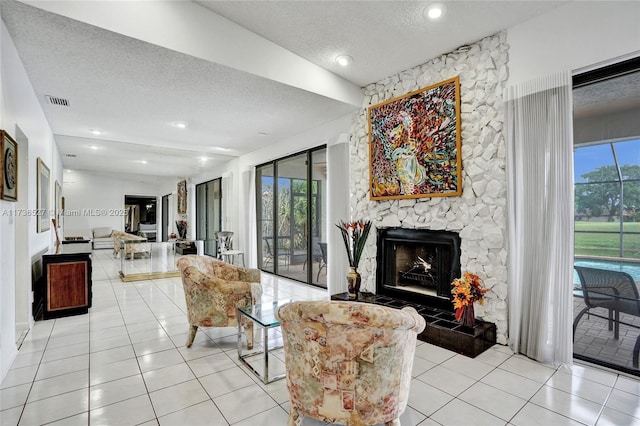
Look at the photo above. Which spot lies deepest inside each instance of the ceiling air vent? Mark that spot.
(57, 101)
(70, 155)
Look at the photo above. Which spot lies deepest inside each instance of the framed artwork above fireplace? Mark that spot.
(414, 144)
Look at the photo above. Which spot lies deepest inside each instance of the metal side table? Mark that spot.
(263, 315)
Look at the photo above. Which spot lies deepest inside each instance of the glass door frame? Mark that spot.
(199, 235)
(274, 214)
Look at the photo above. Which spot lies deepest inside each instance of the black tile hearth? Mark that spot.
(442, 329)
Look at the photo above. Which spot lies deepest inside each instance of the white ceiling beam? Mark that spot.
(190, 28)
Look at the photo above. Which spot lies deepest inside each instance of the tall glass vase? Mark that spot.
(353, 283)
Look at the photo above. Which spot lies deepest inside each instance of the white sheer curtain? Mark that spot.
(251, 227)
(227, 190)
(539, 133)
(337, 209)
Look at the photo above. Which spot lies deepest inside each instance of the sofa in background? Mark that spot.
(131, 244)
(102, 238)
(148, 230)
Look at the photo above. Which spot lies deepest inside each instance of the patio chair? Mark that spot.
(269, 254)
(322, 261)
(612, 290)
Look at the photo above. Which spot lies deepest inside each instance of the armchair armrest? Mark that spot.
(211, 283)
(249, 274)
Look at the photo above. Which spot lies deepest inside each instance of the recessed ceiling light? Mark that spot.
(343, 60)
(93, 147)
(435, 11)
(180, 124)
(141, 161)
(95, 132)
(203, 159)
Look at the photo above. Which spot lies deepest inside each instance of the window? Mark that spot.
(209, 214)
(290, 213)
(607, 199)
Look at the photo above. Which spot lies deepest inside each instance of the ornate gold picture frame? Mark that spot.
(8, 167)
(414, 144)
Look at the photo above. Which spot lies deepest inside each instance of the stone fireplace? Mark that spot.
(478, 216)
(418, 265)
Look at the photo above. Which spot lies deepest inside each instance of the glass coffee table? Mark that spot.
(262, 315)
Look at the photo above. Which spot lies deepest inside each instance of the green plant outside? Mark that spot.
(590, 243)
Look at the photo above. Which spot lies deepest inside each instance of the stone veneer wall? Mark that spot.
(480, 214)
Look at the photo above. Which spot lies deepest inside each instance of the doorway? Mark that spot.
(140, 215)
(165, 217)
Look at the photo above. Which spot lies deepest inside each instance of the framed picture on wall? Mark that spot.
(42, 204)
(182, 197)
(8, 167)
(414, 144)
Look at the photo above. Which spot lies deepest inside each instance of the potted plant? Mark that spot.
(354, 235)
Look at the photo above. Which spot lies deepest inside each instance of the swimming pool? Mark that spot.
(631, 268)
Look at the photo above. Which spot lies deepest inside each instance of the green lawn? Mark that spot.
(606, 244)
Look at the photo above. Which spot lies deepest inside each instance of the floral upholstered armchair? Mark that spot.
(348, 362)
(214, 290)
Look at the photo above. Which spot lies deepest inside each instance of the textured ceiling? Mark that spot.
(608, 97)
(383, 37)
(133, 89)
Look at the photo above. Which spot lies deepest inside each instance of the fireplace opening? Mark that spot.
(418, 265)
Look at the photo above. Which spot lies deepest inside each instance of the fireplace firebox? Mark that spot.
(418, 265)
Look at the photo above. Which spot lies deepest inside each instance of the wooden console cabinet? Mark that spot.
(65, 287)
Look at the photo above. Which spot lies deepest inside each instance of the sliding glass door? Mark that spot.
(606, 304)
(291, 231)
(209, 213)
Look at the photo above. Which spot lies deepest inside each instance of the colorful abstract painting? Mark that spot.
(415, 144)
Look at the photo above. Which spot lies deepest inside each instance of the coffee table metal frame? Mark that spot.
(264, 315)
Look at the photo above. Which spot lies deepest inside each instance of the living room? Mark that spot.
(523, 52)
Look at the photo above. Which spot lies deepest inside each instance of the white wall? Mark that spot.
(96, 200)
(20, 107)
(573, 37)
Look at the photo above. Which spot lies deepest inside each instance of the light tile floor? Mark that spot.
(125, 364)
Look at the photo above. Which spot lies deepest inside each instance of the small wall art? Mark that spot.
(415, 144)
(8, 167)
(182, 197)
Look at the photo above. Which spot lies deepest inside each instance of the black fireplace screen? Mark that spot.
(418, 265)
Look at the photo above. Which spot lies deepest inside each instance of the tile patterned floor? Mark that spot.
(125, 364)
